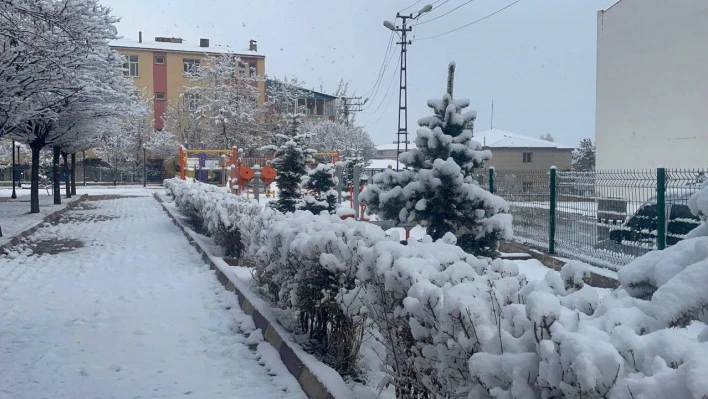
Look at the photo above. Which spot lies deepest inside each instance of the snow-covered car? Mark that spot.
(638, 234)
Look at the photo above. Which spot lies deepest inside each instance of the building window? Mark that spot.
(320, 106)
(159, 60)
(191, 101)
(528, 157)
(244, 69)
(131, 66)
(159, 96)
(190, 66)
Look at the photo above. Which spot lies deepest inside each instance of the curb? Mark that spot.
(52, 217)
(549, 261)
(272, 333)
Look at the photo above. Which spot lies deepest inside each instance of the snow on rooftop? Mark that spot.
(186, 46)
(496, 138)
(382, 163)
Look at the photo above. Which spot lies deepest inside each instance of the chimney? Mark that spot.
(140, 36)
(203, 42)
(252, 45)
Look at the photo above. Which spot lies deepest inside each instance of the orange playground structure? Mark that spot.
(235, 170)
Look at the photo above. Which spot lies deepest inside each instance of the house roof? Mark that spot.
(496, 138)
(270, 83)
(381, 163)
(183, 47)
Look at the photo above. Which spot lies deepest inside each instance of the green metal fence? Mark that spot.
(606, 217)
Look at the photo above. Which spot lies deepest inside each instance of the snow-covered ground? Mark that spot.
(14, 213)
(134, 313)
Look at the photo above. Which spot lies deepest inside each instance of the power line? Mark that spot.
(440, 16)
(388, 90)
(471, 23)
(372, 98)
(383, 67)
(410, 6)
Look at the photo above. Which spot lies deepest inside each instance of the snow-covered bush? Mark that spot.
(309, 263)
(436, 306)
(321, 196)
(439, 190)
(216, 212)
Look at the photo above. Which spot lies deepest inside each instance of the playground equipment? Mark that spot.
(236, 170)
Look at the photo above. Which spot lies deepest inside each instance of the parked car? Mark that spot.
(638, 234)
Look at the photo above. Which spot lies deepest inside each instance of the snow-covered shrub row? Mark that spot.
(457, 326)
(215, 211)
(436, 306)
(308, 263)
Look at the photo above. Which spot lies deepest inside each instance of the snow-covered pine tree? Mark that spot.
(320, 183)
(584, 156)
(438, 189)
(290, 162)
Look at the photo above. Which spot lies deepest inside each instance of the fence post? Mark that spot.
(491, 179)
(552, 213)
(355, 191)
(661, 208)
(340, 182)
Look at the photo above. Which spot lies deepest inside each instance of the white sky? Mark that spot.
(536, 59)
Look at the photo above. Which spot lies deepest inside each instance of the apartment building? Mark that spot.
(161, 67)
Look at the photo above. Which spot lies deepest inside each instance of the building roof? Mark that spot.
(381, 163)
(183, 47)
(496, 138)
(270, 84)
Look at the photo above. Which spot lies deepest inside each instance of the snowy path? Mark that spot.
(130, 314)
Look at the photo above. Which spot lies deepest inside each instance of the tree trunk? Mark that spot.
(73, 174)
(34, 182)
(55, 176)
(67, 181)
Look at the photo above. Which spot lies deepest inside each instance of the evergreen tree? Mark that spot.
(584, 156)
(290, 162)
(320, 182)
(438, 189)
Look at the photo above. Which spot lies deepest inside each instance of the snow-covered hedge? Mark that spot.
(216, 212)
(457, 326)
(308, 263)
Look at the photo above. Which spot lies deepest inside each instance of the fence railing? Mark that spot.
(605, 217)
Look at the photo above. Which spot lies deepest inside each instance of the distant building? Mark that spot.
(314, 104)
(161, 66)
(652, 86)
(510, 151)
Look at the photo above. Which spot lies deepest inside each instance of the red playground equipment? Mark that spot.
(238, 167)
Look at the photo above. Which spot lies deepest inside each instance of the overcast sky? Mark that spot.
(535, 60)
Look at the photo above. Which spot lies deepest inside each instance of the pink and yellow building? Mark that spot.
(161, 67)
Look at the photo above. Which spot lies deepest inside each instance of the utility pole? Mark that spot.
(352, 104)
(402, 133)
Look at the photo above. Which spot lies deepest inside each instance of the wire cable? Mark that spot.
(372, 98)
(388, 89)
(410, 6)
(382, 69)
(440, 16)
(469, 24)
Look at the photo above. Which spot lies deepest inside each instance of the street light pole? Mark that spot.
(14, 194)
(144, 166)
(402, 133)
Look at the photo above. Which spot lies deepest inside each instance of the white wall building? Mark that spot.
(652, 84)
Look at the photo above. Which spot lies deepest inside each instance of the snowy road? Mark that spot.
(130, 312)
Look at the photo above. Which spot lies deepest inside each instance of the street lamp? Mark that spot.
(14, 194)
(144, 166)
